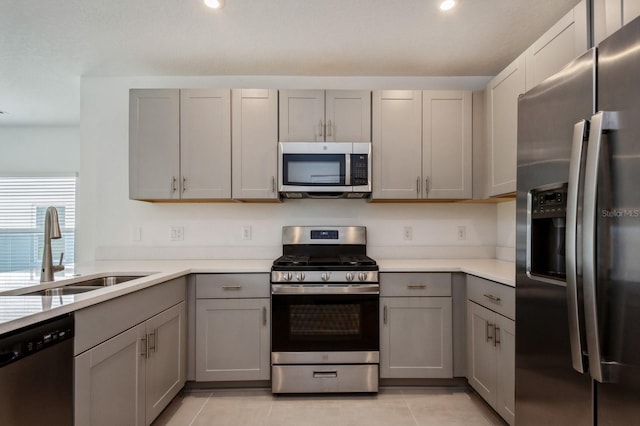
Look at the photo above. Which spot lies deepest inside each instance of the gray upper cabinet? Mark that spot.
(563, 42)
(154, 144)
(446, 144)
(610, 15)
(422, 144)
(502, 127)
(205, 143)
(254, 143)
(566, 40)
(397, 144)
(319, 116)
(179, 144)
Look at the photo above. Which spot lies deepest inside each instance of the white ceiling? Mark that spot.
(46, 46)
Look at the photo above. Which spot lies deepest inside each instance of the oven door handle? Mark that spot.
(325, 289)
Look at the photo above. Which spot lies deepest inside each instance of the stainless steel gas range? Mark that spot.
(325, 298)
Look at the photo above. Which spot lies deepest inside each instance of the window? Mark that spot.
(23, 202)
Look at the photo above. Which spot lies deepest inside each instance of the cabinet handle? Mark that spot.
(426, 185)
(384, 314)
(418, 186)
(184, 184)
(173, 183)
(492, 297)
(264, 315)
(329, 129)
(321, 127)
(416, 286)
(153, 346)
(496, 331)
(145, 346)
(231, 287)
(273, 184)
(488, 326)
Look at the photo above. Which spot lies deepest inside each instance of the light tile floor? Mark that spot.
(391, 406)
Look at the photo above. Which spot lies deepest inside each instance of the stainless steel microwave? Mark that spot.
(324, 169)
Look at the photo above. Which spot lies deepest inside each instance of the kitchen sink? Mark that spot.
(84, 286)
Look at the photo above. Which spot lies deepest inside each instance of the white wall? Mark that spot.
(37, 150)
(108, 220)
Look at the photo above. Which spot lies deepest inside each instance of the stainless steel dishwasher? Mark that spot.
(36, 374)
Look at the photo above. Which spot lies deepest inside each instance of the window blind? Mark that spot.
(23, 203)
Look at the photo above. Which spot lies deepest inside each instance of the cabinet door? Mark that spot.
(506, 368)
(502, 127)
(167, 359)
(205, 143)
(110, 381)
(630, 10)
(562, 43)
(416, 337)
(154, 144)
(481, 367)
(348, 115)
(397, 144)
(302, 116)
(254, 143)
(446, 144)
(232, 339)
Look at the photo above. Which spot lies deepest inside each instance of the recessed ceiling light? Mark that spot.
(447, 4)
(214, 4)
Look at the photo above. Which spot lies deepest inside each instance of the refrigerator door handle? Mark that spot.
(577, 153)
(600, 122)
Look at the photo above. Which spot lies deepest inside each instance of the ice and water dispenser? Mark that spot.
(546, 226)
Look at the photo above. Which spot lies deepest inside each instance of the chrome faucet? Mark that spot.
(51, 231)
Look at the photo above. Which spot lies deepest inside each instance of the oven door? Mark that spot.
(322, 323)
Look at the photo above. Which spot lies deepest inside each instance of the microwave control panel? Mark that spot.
(359, 169)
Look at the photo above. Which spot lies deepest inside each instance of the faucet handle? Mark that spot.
(59, 267)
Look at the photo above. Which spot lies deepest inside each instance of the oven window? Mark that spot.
(314, 169)
(311, 323)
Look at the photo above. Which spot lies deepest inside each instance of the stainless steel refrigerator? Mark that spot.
(578, 241)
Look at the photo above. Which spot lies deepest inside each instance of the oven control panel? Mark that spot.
(324, 276)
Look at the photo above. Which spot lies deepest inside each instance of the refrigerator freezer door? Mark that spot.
(618, 229)
(548, 390)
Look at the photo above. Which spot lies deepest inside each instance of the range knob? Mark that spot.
(325, 276)
(300, 276)
(287, 276)
(350, 276)
(362, 276)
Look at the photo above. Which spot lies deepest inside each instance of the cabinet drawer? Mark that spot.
(497, 297)
(232, 286)
(415, 284)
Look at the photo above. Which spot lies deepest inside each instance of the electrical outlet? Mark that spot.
(245, 232)
(407, 233)
(136, 233)
(462, 232)
(177, 233)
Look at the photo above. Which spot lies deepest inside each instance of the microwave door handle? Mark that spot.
(577, 153)
(347, 169)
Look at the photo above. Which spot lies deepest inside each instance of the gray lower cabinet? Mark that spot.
(491, 344)
(416, 330)
(130, 377)
(233, 341)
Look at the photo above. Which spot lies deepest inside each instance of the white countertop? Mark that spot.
(17, 311)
